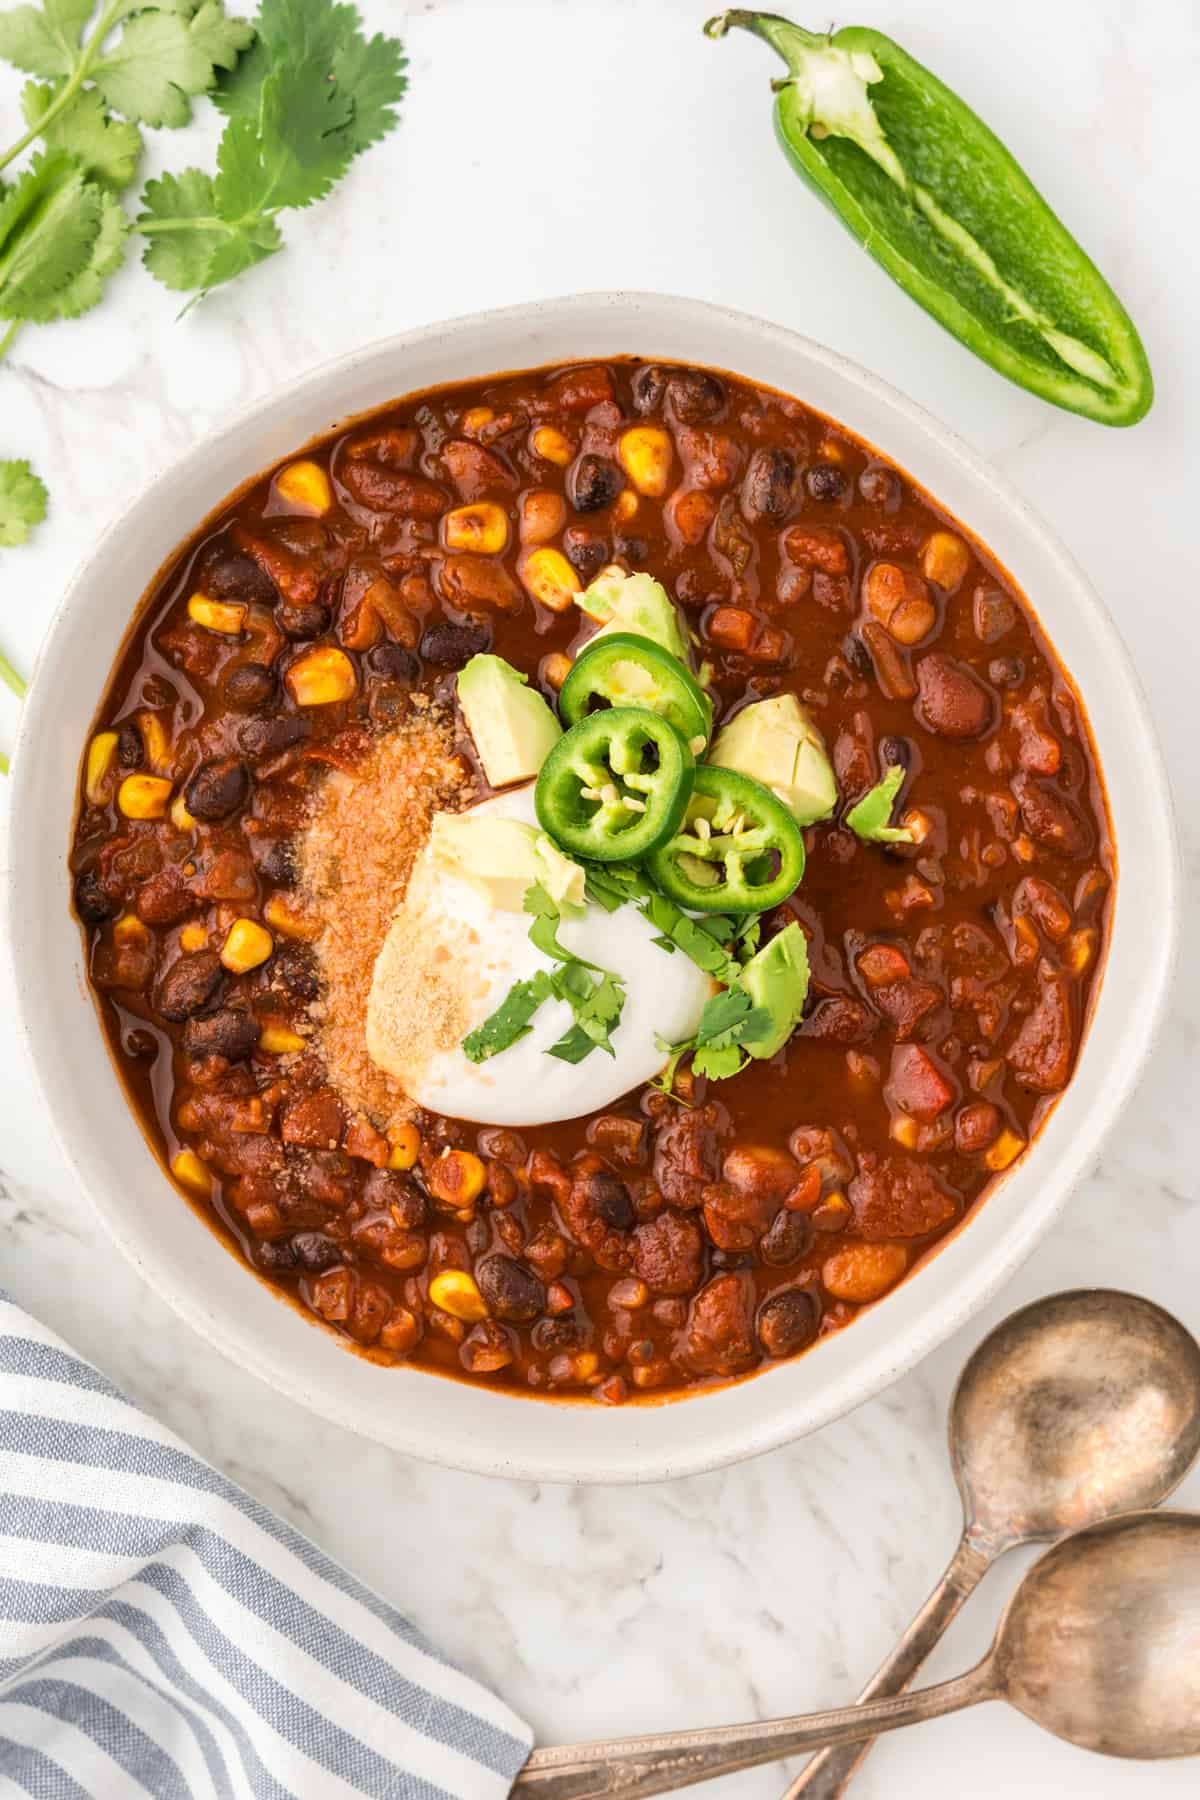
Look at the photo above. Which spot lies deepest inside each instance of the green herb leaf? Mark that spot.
(23, 502)
(286, 156)
(595, 1015)
(108, 149)
(190, 247)
(543, 933)
(44, 40)
(695, 939)
(49, 223)
(615, 884)
(719, 1062)
(510, 1021)
(162, 58)
(86, 289)
(868, 818)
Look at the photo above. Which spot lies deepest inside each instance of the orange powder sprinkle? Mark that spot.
(355, 858)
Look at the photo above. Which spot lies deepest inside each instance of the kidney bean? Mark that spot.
(953, 701)
(1050, 818)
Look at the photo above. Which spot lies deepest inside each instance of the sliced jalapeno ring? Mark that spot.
(616, 785)
(739, 850)
(625, 669)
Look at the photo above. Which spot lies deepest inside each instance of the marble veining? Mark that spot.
(579, 144)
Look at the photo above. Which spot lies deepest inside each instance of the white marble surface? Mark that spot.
(524, 168)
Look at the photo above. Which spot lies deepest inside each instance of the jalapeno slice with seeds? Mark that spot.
(625, 669)
(616, 785)
(739, 850)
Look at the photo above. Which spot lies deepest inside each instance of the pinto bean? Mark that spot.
(952, 702)
(217, 788)
(191, 985)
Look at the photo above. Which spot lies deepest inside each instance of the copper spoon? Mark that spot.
(1100, 1645)
(1080, 1406)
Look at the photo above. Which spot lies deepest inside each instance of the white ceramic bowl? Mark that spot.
(467, 1425)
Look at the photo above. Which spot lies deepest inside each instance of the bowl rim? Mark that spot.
(908, 1345)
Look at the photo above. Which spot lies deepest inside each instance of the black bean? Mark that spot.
(250, 685)
(130, 749)
(770, 485)
(696, 396)
(896, 750)
(275, 1257)
(787, 1322)
(294, 969)
(232, 576)
(275, 860)
(392, 662)
(267, 736)
(511, 1290)
(227, 1032)
(649, 387)
(586, 553)
(449, 646)
(786, 1238)
(93, 902)
(191, 985)
(315, 1252)
(857, 654)
(308, 620)
(880, 487)
(593, 483)
(558, 1334)
(631, 549)
(218, 787)
(398, 1194)
(610, 1200)
(825, 481)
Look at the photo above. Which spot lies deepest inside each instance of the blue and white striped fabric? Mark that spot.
(163, 1634)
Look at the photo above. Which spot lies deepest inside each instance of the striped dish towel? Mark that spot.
(163, 1634)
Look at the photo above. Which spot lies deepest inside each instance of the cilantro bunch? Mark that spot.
(303, 93)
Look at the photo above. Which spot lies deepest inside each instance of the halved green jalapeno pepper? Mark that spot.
(739, 850)
(626, 670)
(616, 785)
(953, 218)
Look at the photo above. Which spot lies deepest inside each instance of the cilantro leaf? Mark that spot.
(510, 1021)
(287, 156)
(190, 247)
(44, 40)
(595, 1013)
(614, 884)
(543, 933)
(86, 289)
(698, 941)
(371, 72)
(868, 818)
(108, 149)
(49, 223)
(719, 1062)
(162, 58)
(23, 502)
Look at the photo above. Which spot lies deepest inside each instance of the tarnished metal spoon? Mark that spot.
(1100, 1645)
(1080, 1406)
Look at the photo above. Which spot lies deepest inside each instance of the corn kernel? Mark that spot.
(190, 1172)
(552, 446)
(1081, 948)
(645, 452)
(457, 1178)
(321, 677)
(945, 560)
(1006, 1149)
(129, 930)
(181, 818)
(101, 756)
(626, 506)
(247, 946)
(305, 485)
(281, 917)
(193, 937)
(144, 796)
(225, 616)
(454, 1291)
(482, 528)
(405, 1147)
(549, 577)
(280, 1040)
(905, 1131)
(476, 418)
(555, 669)
(157, 743)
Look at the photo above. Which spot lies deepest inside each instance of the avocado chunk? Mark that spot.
(635, 603)
(503, 859)
(776, 742)
(869, 817)
(776, 978)
(513, 727)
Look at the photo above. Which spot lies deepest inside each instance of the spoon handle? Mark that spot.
(629, 1768)
(831, 1770)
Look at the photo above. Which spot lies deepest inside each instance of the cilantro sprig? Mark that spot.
(596, 996)
(303, 92)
